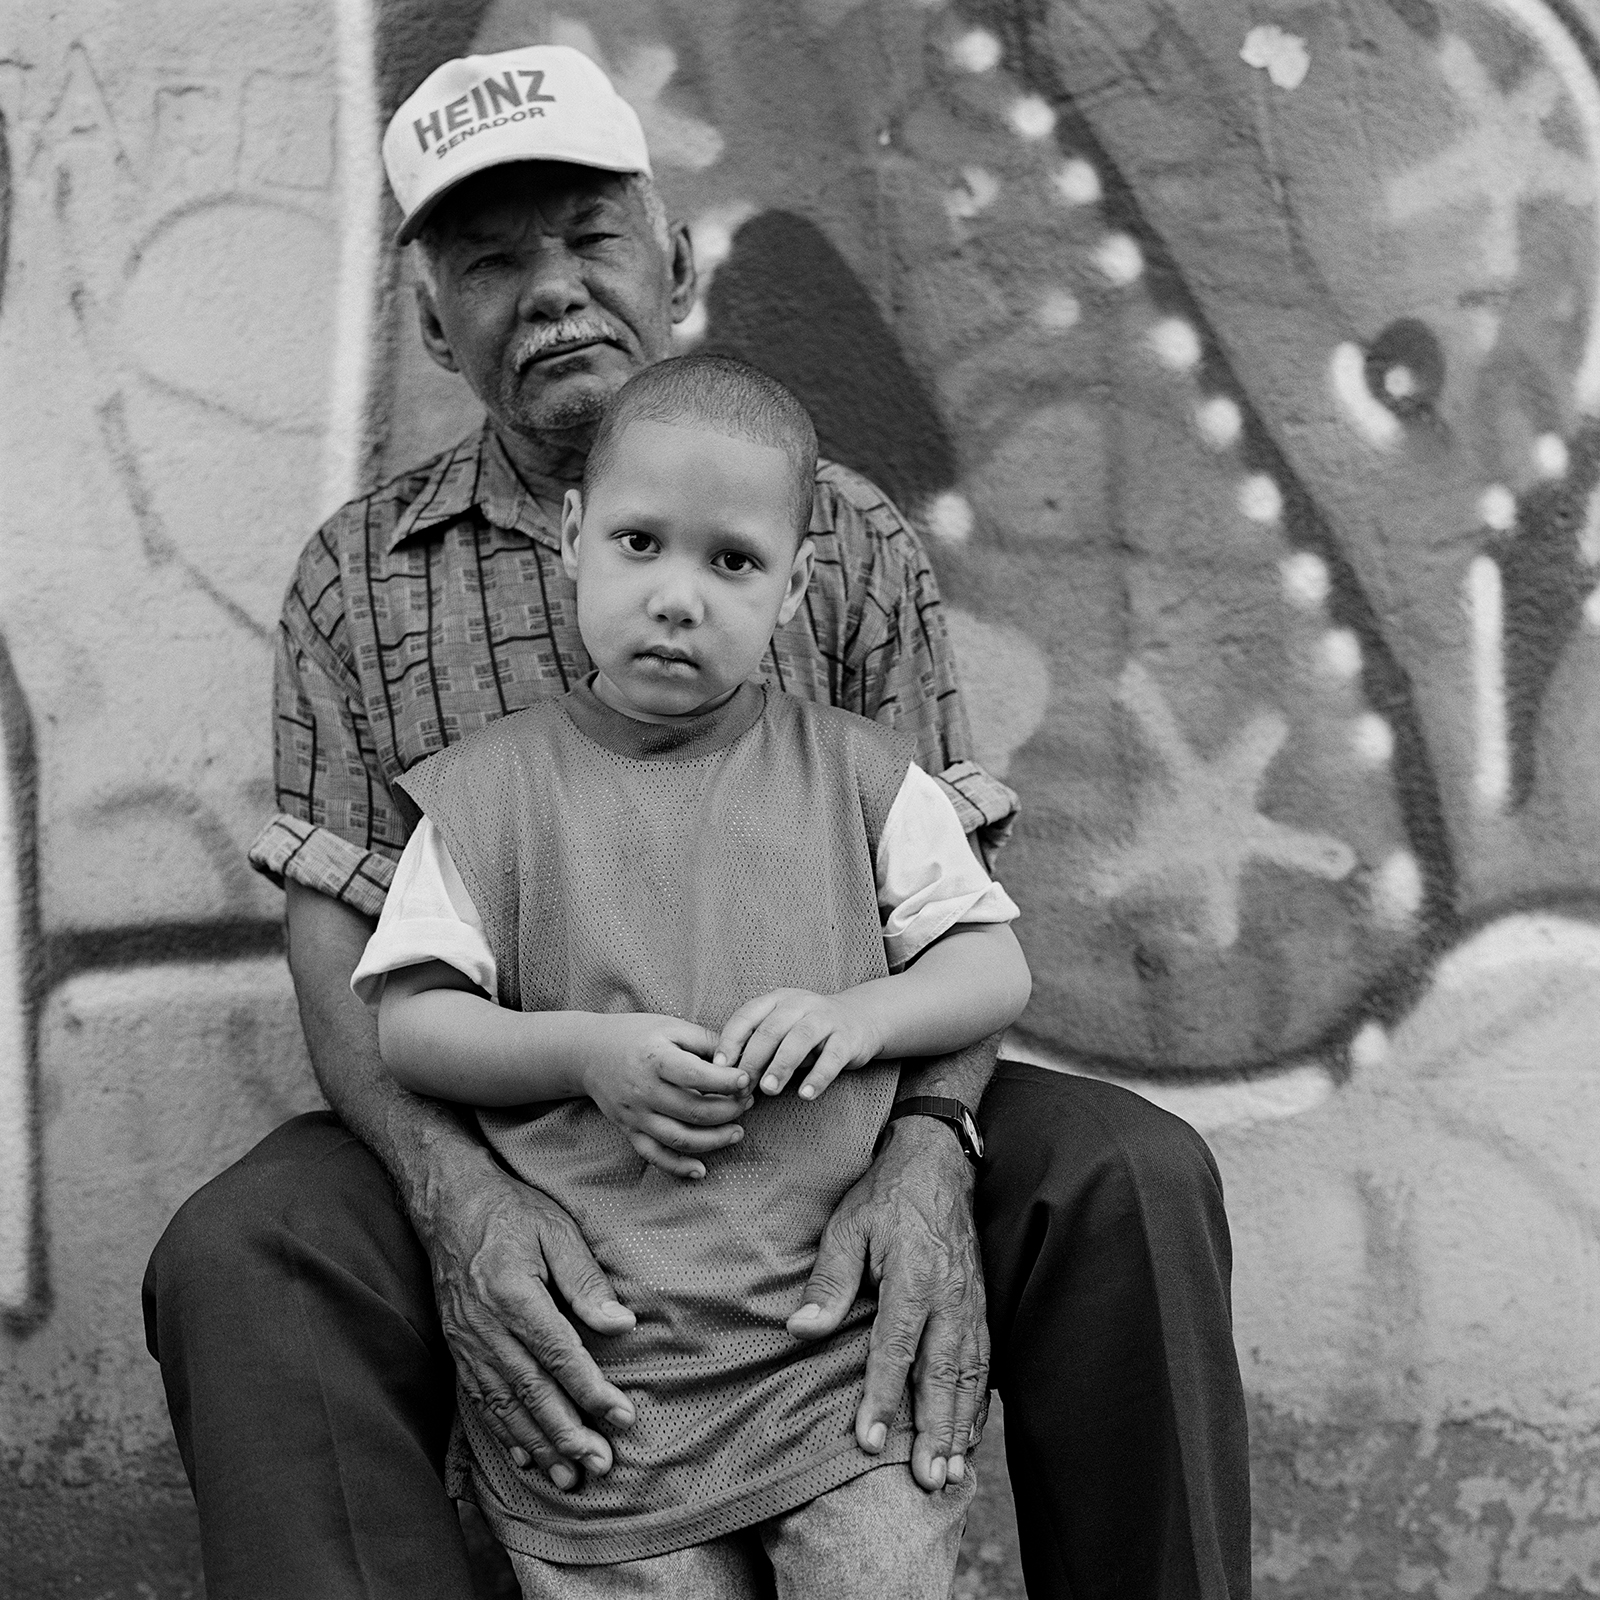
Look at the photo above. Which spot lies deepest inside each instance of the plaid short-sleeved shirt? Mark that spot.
(438, 603)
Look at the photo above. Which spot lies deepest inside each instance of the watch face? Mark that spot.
(970, 1124)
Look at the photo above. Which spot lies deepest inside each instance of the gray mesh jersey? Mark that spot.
(623, 866)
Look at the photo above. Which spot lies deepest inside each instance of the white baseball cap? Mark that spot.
(546, 102)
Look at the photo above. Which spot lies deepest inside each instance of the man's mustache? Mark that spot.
(567, 331)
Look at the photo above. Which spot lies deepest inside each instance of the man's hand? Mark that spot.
(908, 1224)
(497, 1246)
(773, 1035)
(648, 1074)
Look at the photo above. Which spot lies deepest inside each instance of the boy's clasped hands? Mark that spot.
(665, 1081)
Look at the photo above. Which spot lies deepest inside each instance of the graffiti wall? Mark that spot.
(1239, 361)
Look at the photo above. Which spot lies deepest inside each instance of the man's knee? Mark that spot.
(1060, 1129)
(232, 1228)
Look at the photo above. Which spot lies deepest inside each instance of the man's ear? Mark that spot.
(571, 527)
(681, 253)
(434, 340)
(799, 579)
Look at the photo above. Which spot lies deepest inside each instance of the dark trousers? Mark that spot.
(311, 1390)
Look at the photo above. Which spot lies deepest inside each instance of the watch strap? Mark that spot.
(952, 1113)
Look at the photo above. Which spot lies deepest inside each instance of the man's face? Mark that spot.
(552, 290)
(686, 558)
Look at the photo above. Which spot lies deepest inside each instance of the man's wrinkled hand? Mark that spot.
(907, 1225)
(497, 1248)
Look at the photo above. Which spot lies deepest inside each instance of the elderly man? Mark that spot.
(315, 1307)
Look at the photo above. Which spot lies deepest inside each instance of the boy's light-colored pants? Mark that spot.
(878, 1537)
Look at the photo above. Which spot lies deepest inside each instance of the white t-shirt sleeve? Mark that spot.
(928, 878)
(429, 916)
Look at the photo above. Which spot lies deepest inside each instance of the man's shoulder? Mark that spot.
(854, 507)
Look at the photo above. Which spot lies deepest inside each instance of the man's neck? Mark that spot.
(555, 458)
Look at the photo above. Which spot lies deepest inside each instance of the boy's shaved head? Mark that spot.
(723, 395)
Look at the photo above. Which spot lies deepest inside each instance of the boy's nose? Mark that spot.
(677, 600)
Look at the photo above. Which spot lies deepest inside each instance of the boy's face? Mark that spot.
(686, 559)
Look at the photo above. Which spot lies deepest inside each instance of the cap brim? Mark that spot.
(413, 224)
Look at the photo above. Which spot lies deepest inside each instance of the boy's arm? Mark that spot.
(967, 985)
(441, 1036)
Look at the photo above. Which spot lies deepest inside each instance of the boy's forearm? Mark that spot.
(459, 1046)
(969, 985)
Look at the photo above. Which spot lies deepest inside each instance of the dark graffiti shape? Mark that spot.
(1545, 582)
(1023, 28)
(787, 301)
(414, 37)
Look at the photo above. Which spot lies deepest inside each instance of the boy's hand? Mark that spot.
(649, 1074)
(773, 1035)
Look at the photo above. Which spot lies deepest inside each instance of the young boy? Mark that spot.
(619, 913)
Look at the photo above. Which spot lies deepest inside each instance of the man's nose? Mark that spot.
(553, 285)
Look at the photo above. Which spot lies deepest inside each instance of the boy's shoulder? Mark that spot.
(835, 725)
(497, 744)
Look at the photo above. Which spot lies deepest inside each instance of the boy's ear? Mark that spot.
(799, 579)
(571, 527)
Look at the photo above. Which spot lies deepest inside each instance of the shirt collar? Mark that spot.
(477, 473)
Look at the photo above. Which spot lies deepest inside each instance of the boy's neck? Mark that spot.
(608, 694)
(680, 739)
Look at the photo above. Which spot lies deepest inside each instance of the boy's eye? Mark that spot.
(635, 543)
(736, 562)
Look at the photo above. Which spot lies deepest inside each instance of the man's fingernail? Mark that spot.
(808, 1313)
(770, 1085)
(612, 1308)
(957, 1471)
(697, 1173)
(738, 1134)
(876, 1434)
(620, 1417)
(562, 1476)
(719, 1060)
(520, 1456)
(807, 1092)
(742, 1081)
(936, 1471)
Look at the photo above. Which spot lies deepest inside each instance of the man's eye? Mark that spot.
(587, 241)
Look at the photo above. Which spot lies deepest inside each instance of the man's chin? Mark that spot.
(569, 402)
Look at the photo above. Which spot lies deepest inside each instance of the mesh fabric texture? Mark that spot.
(622, 867)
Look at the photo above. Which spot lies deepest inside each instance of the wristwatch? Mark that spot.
(950, 1112)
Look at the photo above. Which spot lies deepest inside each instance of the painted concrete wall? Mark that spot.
(1239, 359)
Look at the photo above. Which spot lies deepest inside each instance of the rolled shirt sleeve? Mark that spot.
(337, 830)
(929, 881)
(428, 916)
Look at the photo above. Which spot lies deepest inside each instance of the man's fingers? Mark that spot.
(972, 1400)
(945, 1366)
(833, 1060)
(831, 1289)
(520, 1436)
(675, 1166)
(576, 1273)
(895, 1336)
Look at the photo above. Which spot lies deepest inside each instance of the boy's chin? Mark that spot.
(652, 702)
